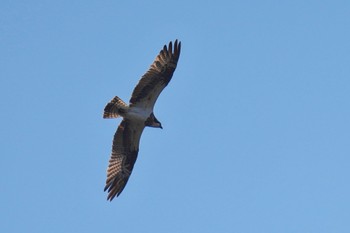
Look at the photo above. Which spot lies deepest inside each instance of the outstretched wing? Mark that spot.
(124, 153)
(157, 77)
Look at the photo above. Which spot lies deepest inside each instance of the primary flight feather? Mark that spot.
(136, 116)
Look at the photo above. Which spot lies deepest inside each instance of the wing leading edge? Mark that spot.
(124, 154)
(157, 77)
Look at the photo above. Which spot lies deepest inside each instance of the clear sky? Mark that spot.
(256, 118)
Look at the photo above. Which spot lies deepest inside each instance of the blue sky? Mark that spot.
(256, 118)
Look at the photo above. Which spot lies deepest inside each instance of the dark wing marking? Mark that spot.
(124, 153)
(157, 77)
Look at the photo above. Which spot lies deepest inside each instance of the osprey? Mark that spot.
(136, 116)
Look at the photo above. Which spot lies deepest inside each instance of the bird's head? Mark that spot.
(152, 121)
(157, 124)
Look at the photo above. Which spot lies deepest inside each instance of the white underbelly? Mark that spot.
(139, 113)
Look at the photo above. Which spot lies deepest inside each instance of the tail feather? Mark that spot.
(115, 108)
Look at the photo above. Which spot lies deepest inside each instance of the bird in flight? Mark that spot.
(136, 116)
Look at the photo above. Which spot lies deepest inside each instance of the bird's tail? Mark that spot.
(115, 108)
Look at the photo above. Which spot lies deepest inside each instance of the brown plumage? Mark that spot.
(137, 115)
